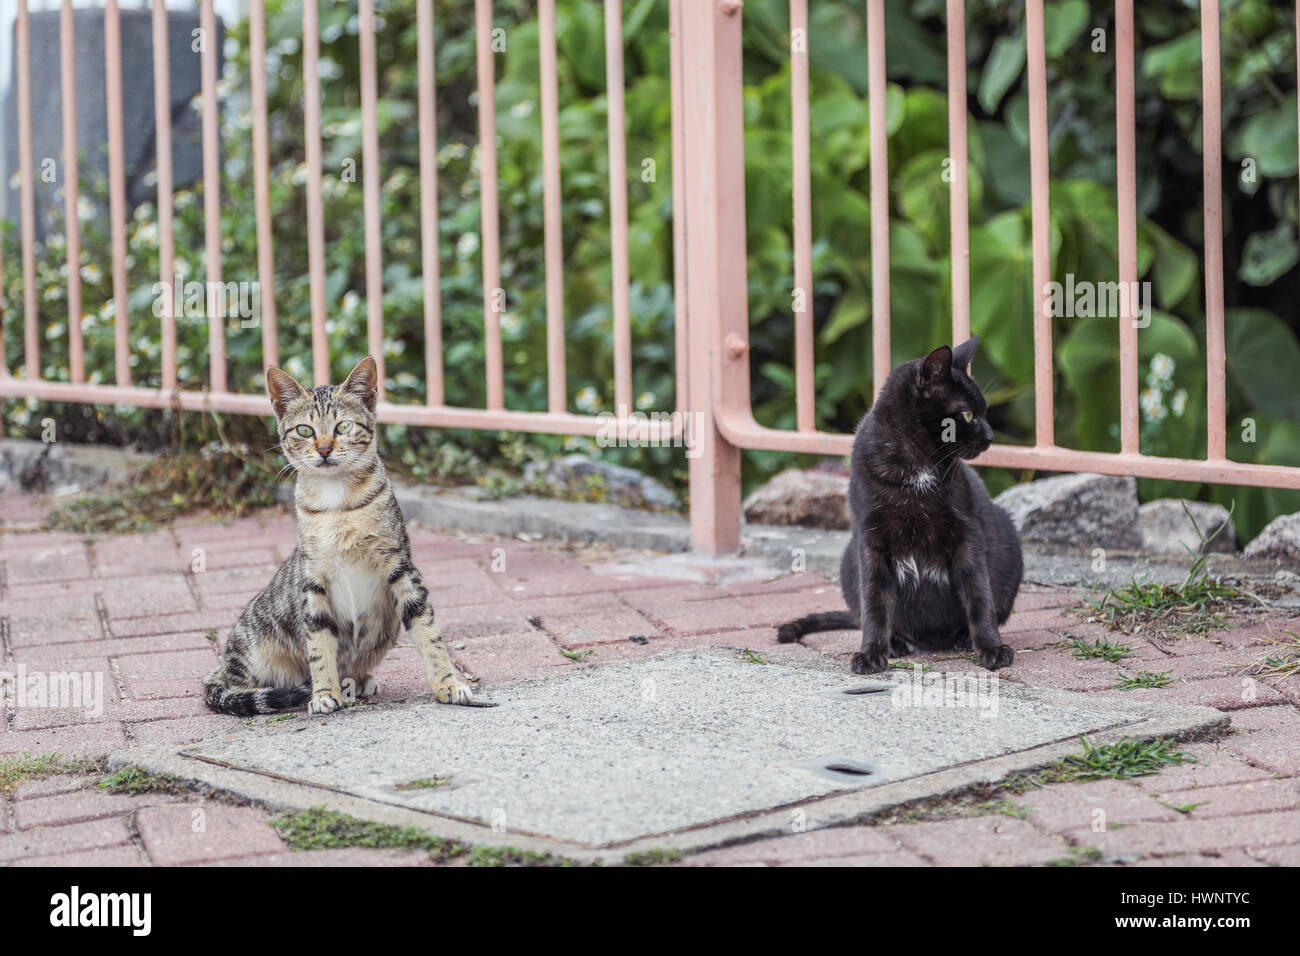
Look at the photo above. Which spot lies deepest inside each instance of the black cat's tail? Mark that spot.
(791, 631)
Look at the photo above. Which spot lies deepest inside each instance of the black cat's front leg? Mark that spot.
(970, 578)
(877, 594)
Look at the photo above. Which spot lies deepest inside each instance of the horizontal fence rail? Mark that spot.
(218, 396)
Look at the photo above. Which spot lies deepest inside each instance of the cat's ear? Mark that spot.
(282, 388)
(962, 354)
(936, 367)
(362, 383)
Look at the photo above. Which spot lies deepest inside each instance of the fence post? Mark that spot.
(710, 125)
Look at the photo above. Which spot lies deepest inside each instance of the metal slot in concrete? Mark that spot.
(691, 750)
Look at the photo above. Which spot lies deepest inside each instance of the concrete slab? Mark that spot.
(689, 750)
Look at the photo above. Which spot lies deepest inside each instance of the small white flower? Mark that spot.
(1162, 366)
(587, 400)
(1179, 402)
(1152, 404)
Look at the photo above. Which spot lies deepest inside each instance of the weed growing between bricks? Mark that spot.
(134, 781)
(20, 768)
(1122, 760)
(323, 829)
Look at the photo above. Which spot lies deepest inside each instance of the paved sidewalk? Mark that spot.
(147, 611)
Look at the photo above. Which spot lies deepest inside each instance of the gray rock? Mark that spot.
(1280, 539)
(61, 467)
(813, 499)
(1093, 511)
(1167, 530)
(622, 486)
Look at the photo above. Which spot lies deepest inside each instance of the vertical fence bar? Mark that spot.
(711, 123)
(556, 373)
(370, 191)
(427, 100)
(877, 115)
(1044, 407)
(618, 205)
(1126, 192)
(959, 192)
(261, 183)
(117, 190)
(320, 356)
(31, 332)
(680, 328)
(487, 134)
(216, 300)
(805, 399)
(71, 187)
(1212, 155)
(162, 107)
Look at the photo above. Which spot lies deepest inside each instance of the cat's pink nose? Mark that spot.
(324, 450)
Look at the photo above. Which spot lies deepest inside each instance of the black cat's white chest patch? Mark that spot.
(911, 572)
(923, 479)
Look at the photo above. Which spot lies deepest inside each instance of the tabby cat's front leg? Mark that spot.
(322, 640)
(417, 617)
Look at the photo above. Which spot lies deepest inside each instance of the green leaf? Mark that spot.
(1001, 292)
(1006, 61)
(1269, 138)
(1262, 359)
(1062, 24)
(1176, 269)
(1268, 256)
(849, 312)
(1176, 65)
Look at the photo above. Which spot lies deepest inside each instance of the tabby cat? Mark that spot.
(932, 562)
(316, 633)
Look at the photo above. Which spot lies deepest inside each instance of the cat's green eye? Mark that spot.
(967, 416)
(305, 431)
(342, 428)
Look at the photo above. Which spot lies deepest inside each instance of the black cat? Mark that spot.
(932, 562)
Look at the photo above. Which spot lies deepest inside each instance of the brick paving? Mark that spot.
(144, 614)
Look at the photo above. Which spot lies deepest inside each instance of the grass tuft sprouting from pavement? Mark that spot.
(654, 856)
(20, 768)
(134, 781)
(1099, 649)
(1122, 760)
(322, 829)
(1144, 679)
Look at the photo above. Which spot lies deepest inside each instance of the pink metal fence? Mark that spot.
(218, 396)
(711, 127)
(712, 329)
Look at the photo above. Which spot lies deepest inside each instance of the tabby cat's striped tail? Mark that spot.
(248, 701)
(791, 631)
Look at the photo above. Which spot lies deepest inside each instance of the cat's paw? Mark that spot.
(874, 663)
(997, 656)
(900, 646)
(453, 692)
(326, 702)
(369, 687)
